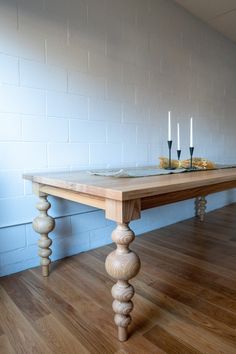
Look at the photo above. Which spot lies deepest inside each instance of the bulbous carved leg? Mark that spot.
(201, 203)
(122, 264)
(43, 224)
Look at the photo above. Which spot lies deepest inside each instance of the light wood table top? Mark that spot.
(131, 188)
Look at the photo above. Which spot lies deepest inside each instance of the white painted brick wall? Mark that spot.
(42, 76)
(87, 83)
(44, 130)
(9, 69)
(87, 131)
(10, 127)
(23, 100)
(67, 105)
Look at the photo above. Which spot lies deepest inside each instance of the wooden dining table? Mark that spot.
(123, 200)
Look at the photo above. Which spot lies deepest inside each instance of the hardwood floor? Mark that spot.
(185, 298)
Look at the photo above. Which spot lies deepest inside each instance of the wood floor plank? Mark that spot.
(202, 235)
(5, 346)
(68, 316)
(1, 330)
(50, 330)
(207, 233)
(23, 299)
(188, 284)
(221, 276)
(167, 342)
(187, 311)
(58, 338)
(20, 333)
(210, 261)
(205, 278)
(185, 301)
(209, 250)
(187, 332)
(194, 302)
(191, 258)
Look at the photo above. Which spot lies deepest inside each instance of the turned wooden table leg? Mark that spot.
(201, 203)
(43, 224)
(122, 264)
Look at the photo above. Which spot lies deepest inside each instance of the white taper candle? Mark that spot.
(191, 132)
(178, 138)
(169, 126)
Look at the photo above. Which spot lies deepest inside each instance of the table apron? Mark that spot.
(173, 197)
(96, 202)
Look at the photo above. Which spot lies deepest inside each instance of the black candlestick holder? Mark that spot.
(191, 149)
(178, 156)
(169, 147)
